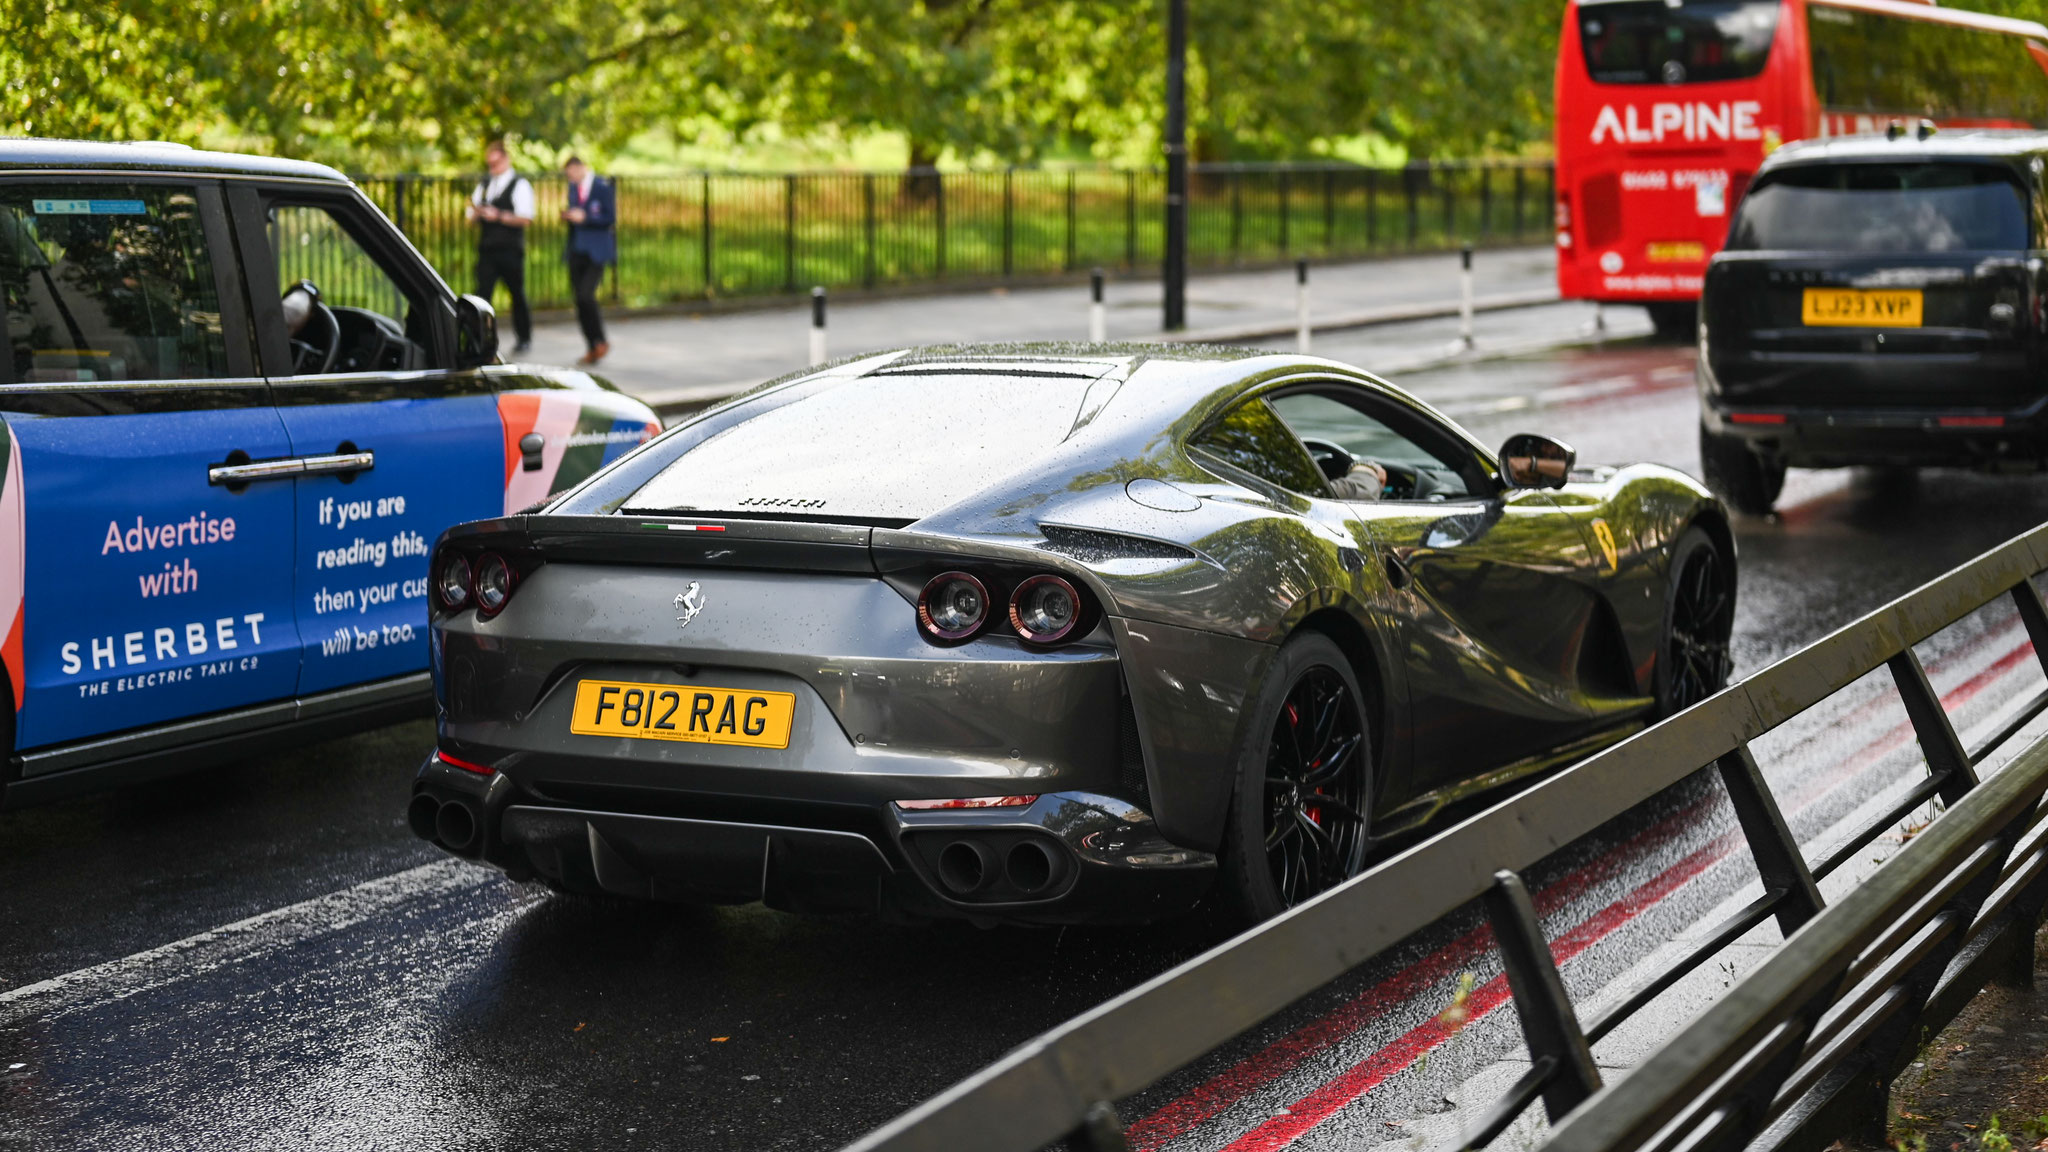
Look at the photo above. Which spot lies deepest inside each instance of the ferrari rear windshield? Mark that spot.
(878, 448)
(1883, 208)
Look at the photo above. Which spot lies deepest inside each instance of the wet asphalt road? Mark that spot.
(300, 972)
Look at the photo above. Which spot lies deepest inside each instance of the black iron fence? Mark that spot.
(703, 235)
(1797, 1053)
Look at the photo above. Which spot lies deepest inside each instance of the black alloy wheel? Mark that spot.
(1315, 788)
(1300, 821)
(1700, 618)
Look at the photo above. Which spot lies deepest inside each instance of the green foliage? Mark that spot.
(384, 83)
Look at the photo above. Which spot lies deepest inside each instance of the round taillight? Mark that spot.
(452, 584)
(494, 581)
(953, 606)
(1045, 609)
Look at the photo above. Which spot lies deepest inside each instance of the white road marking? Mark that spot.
(242, 940)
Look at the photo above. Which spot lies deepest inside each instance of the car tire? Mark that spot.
(1286, 842)
(1693, 659)
(1747, 481)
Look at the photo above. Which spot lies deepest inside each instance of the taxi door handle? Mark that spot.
(237, 472)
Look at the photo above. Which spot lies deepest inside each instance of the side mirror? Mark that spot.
(1531, 461)
(476, 332)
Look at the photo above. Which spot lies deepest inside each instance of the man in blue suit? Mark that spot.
(592, 216)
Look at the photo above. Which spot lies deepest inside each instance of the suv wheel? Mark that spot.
(1747, 481)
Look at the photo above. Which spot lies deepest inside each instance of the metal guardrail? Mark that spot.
(705, 235)
(1800, 1051)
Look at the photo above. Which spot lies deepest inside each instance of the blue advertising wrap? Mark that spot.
(362, 540)
(140, 592)
(150, 593)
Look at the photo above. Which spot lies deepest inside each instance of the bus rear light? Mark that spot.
(1023, 801)
(1564, 239)
(1971, 421)
(1756, 417)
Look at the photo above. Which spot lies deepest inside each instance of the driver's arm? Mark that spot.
(1365, 481)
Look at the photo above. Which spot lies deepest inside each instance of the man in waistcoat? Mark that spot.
(502, 207)
(592, 217)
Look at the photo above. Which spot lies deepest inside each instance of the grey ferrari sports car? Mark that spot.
(1063, 633)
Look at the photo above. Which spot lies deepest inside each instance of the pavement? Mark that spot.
(1982, 1084)
(261, 954)
(680, 361)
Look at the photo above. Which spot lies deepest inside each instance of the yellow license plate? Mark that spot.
(681, 712)
(1861, 307)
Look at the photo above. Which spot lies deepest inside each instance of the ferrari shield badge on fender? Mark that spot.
(692, 602)
(1601, 533)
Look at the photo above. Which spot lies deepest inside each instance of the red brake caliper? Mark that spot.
(1315, 814)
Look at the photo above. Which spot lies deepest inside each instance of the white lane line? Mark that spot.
(239, 941)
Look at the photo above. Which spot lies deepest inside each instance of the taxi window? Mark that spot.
(379, 324)
(107, 282)
(1251, 438)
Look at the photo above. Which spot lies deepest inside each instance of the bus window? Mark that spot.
(1877, 64)
(1654, 42)
(1883, 208)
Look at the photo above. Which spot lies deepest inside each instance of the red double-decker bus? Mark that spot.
(1665, 107)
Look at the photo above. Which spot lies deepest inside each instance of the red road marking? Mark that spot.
(1217, 1095)
(1363, 1077)
(1214, 1097)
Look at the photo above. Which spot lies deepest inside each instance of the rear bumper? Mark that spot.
(1812, 437)
(1068, 858)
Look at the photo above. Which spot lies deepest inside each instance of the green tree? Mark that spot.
(384, 83)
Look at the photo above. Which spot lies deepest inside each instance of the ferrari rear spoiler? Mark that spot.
(673, 540)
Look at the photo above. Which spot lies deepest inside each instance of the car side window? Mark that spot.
(107, 282)
(351, 312)
(1414, 469)
(1252, 439)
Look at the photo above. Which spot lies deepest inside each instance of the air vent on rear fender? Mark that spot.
(1091, 547)
(1130, 775)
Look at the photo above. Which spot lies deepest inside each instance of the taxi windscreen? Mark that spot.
(1882, 208)
(1654, 42)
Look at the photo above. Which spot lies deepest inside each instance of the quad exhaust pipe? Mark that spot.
(453, 824)
(971, 867)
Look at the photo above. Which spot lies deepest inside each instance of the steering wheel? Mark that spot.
(1334, 459)
(311, 327)
(1402, 480)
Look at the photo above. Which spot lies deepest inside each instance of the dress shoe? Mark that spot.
(595, 354)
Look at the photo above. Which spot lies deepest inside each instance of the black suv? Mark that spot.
(1878, 302)
(236, 409)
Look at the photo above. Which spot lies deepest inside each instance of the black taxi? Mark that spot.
(1879, 302)
(236, 409)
